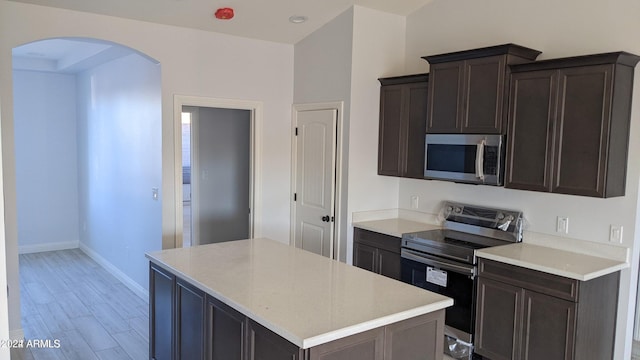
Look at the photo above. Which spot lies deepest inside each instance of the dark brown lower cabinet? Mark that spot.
(190, 321)
(187, 324)
(226, 329)
(161, 313)
(524, 314)
(379, 253)
(264, 344)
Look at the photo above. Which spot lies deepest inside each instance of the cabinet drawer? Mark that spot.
(380, 241)
(558, 286)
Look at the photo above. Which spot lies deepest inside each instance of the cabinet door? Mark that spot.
(389, 264)
(498, 319)
(415, 130)
(190, 329)
(368, 345)
(445, 97)
(483, 95)
(365, 256)
(416, 338)
(225, 331)
(548, 330)
(531, 122)
(389, 141)
(583, 130)
(263, 344)
(161, 311)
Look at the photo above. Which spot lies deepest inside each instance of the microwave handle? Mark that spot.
(480, 159)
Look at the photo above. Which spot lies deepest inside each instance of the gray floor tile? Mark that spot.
(38, 292)
(141, 326)
(115, 353)
(55, 318)
(72, 305)
(109, 318)
(133, 344)
(67, 296)
(94, 333)
(75, 347)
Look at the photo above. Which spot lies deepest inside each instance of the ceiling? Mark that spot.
(257, 19)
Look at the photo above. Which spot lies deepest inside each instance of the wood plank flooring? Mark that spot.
(635, 352)
(67, 296)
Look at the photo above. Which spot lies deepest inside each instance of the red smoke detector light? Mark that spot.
(224, 13)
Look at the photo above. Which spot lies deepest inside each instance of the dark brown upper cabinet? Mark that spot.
(467, 89)
(569, 125)
(403, 120)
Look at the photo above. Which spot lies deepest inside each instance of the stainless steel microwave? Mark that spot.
(468, 158)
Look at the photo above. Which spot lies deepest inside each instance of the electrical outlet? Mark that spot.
(414, 201)
(615, 234)
(562, 225)
(154, 193)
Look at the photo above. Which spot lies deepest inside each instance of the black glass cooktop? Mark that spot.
(455, 238)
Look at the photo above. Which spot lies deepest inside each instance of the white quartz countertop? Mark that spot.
(395, 226)
(305, 298)
(553, 261)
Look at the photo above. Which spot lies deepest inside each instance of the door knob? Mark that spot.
(326, 218)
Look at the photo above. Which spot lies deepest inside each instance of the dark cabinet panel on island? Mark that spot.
(263, 344)
(569, 125)
(468, 90)
(225, 331)
(377, 252)
(526, 314)
(161, 313)
(190, 321)
(403, 119)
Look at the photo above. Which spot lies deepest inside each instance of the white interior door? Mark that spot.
(315, 173)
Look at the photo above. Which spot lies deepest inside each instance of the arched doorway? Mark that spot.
(87, 130)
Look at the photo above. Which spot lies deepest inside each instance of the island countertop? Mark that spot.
(303, 297)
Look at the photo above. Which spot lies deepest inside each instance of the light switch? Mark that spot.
(154, 193)
(414, 201)
(562, 225)
(615, 234)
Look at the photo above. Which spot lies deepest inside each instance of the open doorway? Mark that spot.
(87, 130)
(216, 168)
(215, 192)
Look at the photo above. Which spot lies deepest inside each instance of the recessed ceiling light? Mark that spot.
(297, 19)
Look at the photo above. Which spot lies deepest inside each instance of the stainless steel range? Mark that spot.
(444, 261)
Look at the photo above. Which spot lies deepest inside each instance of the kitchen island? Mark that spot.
(261, 299)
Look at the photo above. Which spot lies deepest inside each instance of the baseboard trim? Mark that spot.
(63, 245)
(126, 280)
(17, 334)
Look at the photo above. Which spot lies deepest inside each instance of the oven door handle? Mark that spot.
(437, 263)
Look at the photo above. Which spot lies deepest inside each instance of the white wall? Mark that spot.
(120, 161)
(46, 164)
(322, 73)
(192, 63)
(342, 61)
(558, 29)
(378, 51)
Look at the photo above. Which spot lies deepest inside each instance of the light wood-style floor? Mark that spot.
(67, 296)
(635, 353)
